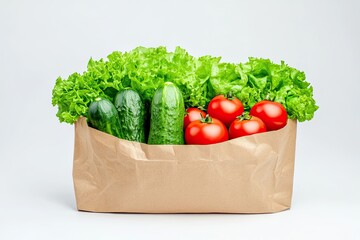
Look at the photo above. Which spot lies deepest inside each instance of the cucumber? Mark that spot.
(167, 116)
(131, 112)
(104, 117)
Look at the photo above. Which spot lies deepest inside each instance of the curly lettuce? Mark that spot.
(199, 79)
(260, 79)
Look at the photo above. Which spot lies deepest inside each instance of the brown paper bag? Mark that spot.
(252, 174)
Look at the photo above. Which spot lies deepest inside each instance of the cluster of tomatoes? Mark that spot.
(225, 119)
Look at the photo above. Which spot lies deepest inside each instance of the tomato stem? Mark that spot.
(230, 96)
(244, 116)
(206, 119)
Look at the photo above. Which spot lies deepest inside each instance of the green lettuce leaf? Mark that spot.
(260, 79)
(199, 79)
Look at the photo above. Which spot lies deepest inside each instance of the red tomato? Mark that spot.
(193, 114)
(206, 131)
(247, 126)
(225, 109)
(273, 114)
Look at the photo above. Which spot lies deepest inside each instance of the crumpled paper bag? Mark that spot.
(252, 174)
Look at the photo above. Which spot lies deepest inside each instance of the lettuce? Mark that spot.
(199, 79)
(260, 79)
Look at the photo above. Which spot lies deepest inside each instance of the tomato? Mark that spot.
(225, 109)
(246, 126)
(273, 114)
(193, 114)
(206, 131)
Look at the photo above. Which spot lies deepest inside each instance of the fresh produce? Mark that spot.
(246, 125)
(104, 117)
(167, 116)
(193, 114)
(131, 115)
(208, 130)
(226, 109)
(273, 114)
(199, 79)
(260, 79)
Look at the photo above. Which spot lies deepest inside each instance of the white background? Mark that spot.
(41, 40)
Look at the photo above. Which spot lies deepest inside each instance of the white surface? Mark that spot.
(41, 40)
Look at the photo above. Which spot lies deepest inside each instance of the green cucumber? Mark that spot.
(131, 112)
(167, 116)
(104, 117)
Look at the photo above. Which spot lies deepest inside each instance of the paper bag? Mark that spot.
(252, 174)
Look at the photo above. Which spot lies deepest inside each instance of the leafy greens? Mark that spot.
(199, 79)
